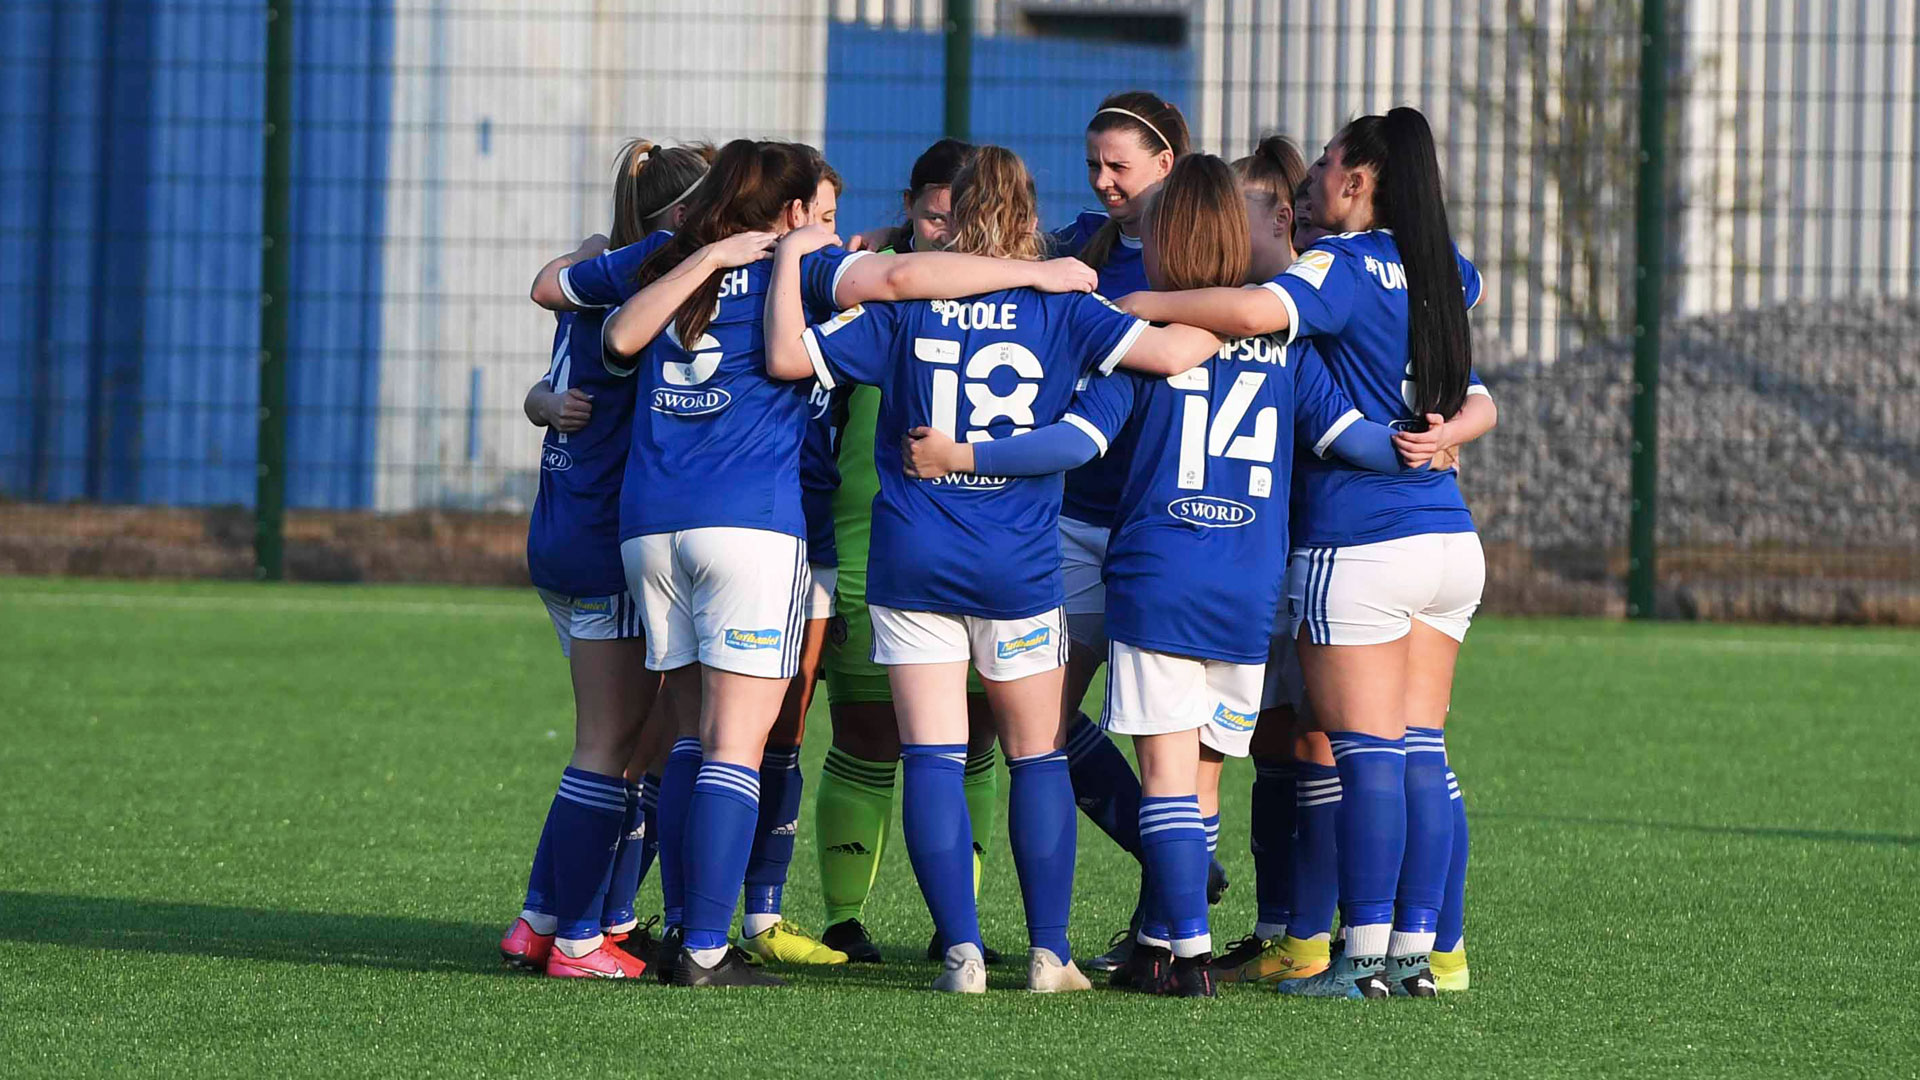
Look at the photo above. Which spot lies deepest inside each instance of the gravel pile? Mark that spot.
(1787, 430)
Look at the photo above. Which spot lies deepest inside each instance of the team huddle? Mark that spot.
(1205, 436)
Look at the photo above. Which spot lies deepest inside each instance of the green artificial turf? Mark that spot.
(262, 831)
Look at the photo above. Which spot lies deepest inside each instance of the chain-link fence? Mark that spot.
(443, 149)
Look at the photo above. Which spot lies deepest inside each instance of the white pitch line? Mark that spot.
(1713, 644)
(272, 605)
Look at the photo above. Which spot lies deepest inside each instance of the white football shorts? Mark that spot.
(1369, 594)
(1083, 552)
(591, 618)
(733, 599)
(1000, 649)
(820, 596)
(1155, 693)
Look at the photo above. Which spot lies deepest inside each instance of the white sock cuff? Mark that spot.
(1408, 943)
(1193, 946)
(1368, 940)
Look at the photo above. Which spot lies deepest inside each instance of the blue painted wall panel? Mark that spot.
(1033, 95)
(130, 237)
(339, 199)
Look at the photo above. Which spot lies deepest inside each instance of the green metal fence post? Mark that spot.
(959, 88)
(1650, 252)
(270, 485)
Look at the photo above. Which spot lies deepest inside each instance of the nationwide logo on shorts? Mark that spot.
(555, 459)
(674, 402)
(591, 605)
(1007, 650)
(1211, 511)
(753, 639)
(1232, 721)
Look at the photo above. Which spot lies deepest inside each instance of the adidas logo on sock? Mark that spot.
(788, 829)
(853, 848)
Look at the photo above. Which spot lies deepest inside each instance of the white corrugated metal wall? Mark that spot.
(504, 127)
(1796, 177)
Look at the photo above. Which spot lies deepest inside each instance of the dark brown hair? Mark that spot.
(1158, 124)
(750, 185)
(1275, 167)
(936, 166)
(647, 181)
(1197, 225)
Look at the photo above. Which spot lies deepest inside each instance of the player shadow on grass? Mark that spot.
(1760, 832)
(302, 937)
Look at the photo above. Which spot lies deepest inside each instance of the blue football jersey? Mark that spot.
(1093, 490)
(607, 279)
(573, 538)
(1197, 559)
(716, 441)
(983, 368)
(820, 473)
(1348, 293)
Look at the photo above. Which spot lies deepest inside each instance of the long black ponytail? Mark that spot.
(1408, 199)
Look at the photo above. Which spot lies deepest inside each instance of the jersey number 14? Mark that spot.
(1203, 436)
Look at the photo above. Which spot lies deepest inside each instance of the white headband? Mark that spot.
(677, 199)
(1164, 141)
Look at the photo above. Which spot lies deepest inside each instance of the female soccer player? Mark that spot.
(853, 807)
(1197, 561)
(764, 931)
(713, 534)
(969, 570)
(573, 556)
(1387, 570)
(1295, 787)
(1131, 143)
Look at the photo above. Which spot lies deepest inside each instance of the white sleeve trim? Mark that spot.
(607, 354)
(1119, 350)
(1086, 427)
(1293, 313)
(1479, 388)
(834, 289)
(820, 371)
(1346, 421)
(566, 290)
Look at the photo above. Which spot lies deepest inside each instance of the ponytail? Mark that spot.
(750, 185)
(648, 181)
(1409, 200)
(1275, 168)
(1160, 127)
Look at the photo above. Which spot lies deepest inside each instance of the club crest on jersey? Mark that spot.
(1007, 650)
(555, 459)
(1231, 720)
(674, 402)
(1211, 511)
(1312, 266)
(753, 639)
